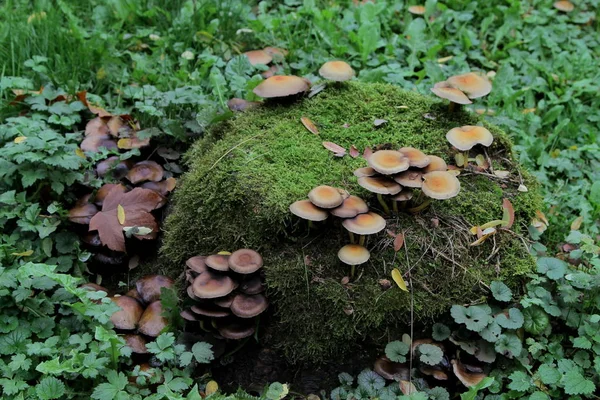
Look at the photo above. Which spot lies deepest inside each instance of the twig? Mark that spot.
(233, 148)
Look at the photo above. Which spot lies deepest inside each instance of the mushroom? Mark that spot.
(281, 86)
(276, 52)
(248, 306)
(93, 143)
(380, 185)
(131, 310)
(467, 378)
(145, 171)
(445, 91)
(163, 187)
(365, 171)
(416, 158)
(82, 213)
(405, 195)
(305, 209)
(350, 208)
(258, 57)
(391, 370)
(416, 10)
(388, 162)
(149, 287)
(245, 261)
(225, 301)
(105, 190)
(410, 178)
(135, 294)
(218, 262)
(338, 71)
(252, 286)
(364, 224)
(235, 330)
(472, 84)
(440, 185)
(209, 285)
(188, 315)
(197, 264)
(152, 322)
(464, 138)
(564, 6)
(435, 164)
(237, 104)
(431, 371)
(353, 255)
(325, 197)
(210, 310)
(112, 164)
(136, 343)
(191, 294)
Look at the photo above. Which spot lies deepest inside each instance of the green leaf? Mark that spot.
(553, 268)
(582, 343)
(492, 332)
(548, 374)
(535, 320)
(397, 351)
(50, 388)
(440, 332)
(430, 354)
(113, 389)
(514, 320)
(475, 317)
(203, 352)
(575, 383)
(519, 381)
(473, 390)
(438, 393)
(500, 291)
(165, 340)
(276, 391)
(509, 345)
(539, 396)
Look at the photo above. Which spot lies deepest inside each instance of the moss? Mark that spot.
(247, 171)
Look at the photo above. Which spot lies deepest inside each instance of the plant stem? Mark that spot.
(386, 209)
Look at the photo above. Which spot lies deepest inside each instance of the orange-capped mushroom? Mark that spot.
(336, 71)
(472, 84)
(440, 185)
(388, 162)
(465, 137)
(281, 86)
(325, 196)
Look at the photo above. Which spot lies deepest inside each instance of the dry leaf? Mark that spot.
(23, 254)
(398, 242)
(397, 277)
(501, 174)
(20, 139)
(378, 122)
(338, 150)
(345, 280)
(367, 153)
(407, 388)
(79, 153)
(444, 59)
(211, 387)
(308, 124)
(542, 217)
(354, 151)
(522, 188)
(121, 214)
(576, 224)
(134, 262)
(508, 215)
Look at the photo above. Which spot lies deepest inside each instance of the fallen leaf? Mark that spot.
(481, 161)
(136, 205)
(79, 153)
(501, 174)
(522, 188)
(338, 150)
(508, 215)
(390, 233)
(576, 224)
(398, 242)
(134, 262)
(169, 154)
(460, 159)
(397, 277)
(345, 280)
(367, 153)
(137, 231)
(211, 387)
(444, 59)
(528, 110)
(121, 214)
(378, 122)
(20, 139)
(485, 235)
(308, 124)
(407, 388)
(23, 254)
(542, 217)
(354, 151)
(315, 90)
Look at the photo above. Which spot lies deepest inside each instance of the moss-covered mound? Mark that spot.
(247, 171)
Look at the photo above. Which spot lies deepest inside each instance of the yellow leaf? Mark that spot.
(575, 225)
(121, 214)
(491, 224)
(308, 124)
(20, 139)
(397, 277)
(473, 230)
(211, 387)
(79, 153)
(124, 143)
(23, 254)
(224, 253)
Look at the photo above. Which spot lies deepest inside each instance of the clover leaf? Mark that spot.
(475, 317)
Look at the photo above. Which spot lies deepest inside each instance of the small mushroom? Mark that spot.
(93, 143)
(365, 171)
(245, 261)
(82, 213)
(440, 185)
(281, 86)
(258, 57)
(226, 301)
(112, 164)
(136, 343)
(354, 254)
(416, 10)
(152, 322)
(163, 187)
(365, 224)
(325, 197)
(210, 310)
(416, 158)
(145, 171)
(435, 164)
(435, 372)
(131, 310)
(380, 185)
(188, 315)
(472, 84)
(218, 262)
(391, 370)
(405, 195)
(305, 209)
(410, 178)
(338, 71)
(248, 306)
(191, 294)
(252, 286)
(197, 264)
(388, 162)
(467, 378)
(564, 6)
(135, 294)
(149, 287)
(209, 285)
(464, 138)
(350, 208)
(235, 330)
(445, 91)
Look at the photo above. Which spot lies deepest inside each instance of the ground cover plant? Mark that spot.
(172, 66)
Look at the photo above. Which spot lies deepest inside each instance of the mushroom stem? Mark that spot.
(361, 240)
(466, 158)
(420, 207)
(452, 106)
(395, 207)
(352, 269)
(203, 327)
(386, 209)
(310, 225)
(352, 240)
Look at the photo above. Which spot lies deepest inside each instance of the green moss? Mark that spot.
(247, 171)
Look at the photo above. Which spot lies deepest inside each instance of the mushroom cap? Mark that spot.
(391, 370)
(472, 84)
(416, 157)
(276, 51)
(350, 208)
(197, 264)
(253, 285)
(365, 171)
(354, 254)
(152, 322)
(210, 310)
(307, 210)
(105, 190)
(191, 294)
(440, 185)
(149, 287)
(92, 287)
(258, 57)
(224, 301)
(245, 261)
(83, 213)
(336, 71)
(145, 171)
(417, 10)
(379, 184)
(188, 315)
(467, 378)
(405, 195)
(564, 5)
(436, 373)
(248, 306)
(209, 285)
(325, 196)
(163, 187)
(281, 86)
(365, 224)
(443, 90)
(136, 343)
(388, 162)
(219, 262)
(465, 137)
(130, 313)
(410, 178)
(435, 164)
(235, 330)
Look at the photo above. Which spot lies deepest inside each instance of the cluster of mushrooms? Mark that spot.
(227, 290)
(140, 319)
(460, 89)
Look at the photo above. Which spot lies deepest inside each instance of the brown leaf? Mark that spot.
(354, 151)
(308, 124)
(390, 233)
(345, 280)
(96, 126)
(367, 153)
(134, 262)
(99, 111)
(509, 213)
(398, 241)
(338, 150)
(136, 204)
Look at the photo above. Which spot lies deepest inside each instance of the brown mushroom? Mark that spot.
(112, 164)
(354, 254)
(365, 224)
(305, 209)
(380, 185)
(248, 306)
(188, 315)
(365, 171)
(388, 162)
(135, 294)
(131, 310)
(350, 208)
(197, 264)
(325, 197)
(391, 370)
(258, 57)
(464, 138)
(564, 6)
(162, 187)
(472, 84)
(218, 262)
(136, 343)
(145, 171)
(149, 287)
(281, 86)
(445, 91)
(82, 213)
(209, 285)
(152, 322)
(435, 164)
(210, 310)
(338, 71)
(405, 195)
(440, 185)
(410, 178)
(235, 330)
(245, 261)
(252, 286)
(435, 372)
(226, 301)
(93, 143)
(467, 378)
(416, 158)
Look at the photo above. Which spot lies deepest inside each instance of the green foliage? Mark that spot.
(430, 354)
(397, 351)
(500, 291)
